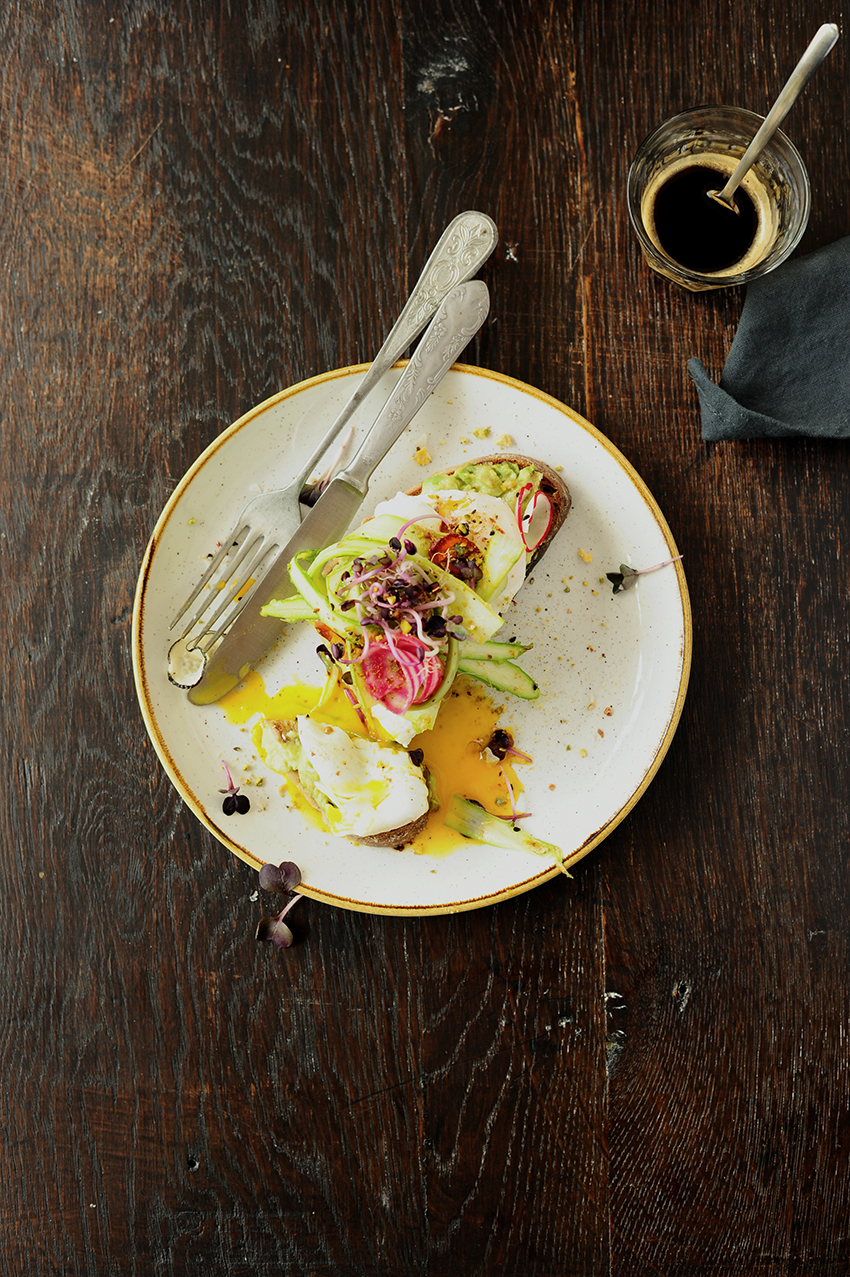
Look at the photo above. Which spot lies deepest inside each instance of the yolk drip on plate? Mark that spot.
(455, 748)
(250, 697)
(459, 762)
(250, 700)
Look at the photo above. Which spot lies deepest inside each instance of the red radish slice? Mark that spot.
(386, 680)
(433, 677)
(396, 685)
(535, 519)
(520, 503)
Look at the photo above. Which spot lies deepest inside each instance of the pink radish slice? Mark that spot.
(533, 517)
(399, 686)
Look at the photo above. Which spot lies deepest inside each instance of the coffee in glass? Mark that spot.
(686, 235)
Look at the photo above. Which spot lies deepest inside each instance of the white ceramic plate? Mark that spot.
(613, 669)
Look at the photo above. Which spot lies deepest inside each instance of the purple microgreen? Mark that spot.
(280, 879)
(394, 595)
(627, 576)
(500, 743)
(275, 930)
(234, 802)
(515, 815)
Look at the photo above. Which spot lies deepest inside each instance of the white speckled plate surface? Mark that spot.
(613, 669)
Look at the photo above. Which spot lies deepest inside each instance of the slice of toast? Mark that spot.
(396, 838)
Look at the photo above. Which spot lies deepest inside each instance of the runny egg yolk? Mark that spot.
(454, 749)
(456, 755)
(328, 705)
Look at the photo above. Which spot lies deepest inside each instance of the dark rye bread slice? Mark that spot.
(550, 482)
(396, 838)
(399, 838)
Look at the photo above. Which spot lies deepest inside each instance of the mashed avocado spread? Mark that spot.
(495, 478)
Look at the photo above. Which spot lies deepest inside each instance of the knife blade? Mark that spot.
(457, 320)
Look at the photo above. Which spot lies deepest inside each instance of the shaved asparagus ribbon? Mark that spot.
(474, 822)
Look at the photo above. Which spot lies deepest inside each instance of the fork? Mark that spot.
(271, 519)
(247, 633)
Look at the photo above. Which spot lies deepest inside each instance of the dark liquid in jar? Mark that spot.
(697, 232)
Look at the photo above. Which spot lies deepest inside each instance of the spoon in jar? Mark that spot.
(820, 46)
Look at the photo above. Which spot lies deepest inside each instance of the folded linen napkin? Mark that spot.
(788, 370)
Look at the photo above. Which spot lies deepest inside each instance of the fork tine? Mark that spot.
(259, 549)
(226, 546)
(226, 584)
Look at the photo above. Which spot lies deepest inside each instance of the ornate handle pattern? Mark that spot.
(461, 250)
(456, 322)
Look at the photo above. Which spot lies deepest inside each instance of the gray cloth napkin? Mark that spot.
(788, 371)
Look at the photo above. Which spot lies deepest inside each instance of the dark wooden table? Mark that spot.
(640, 1071)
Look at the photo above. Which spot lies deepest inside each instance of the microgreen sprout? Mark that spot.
(281, 879)
(501, 743)
(627, 576)
(392, 595)
(234, 802)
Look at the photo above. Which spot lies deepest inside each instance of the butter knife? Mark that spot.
(457, 320)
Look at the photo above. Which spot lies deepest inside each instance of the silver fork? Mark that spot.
(269, 520)
(247, 633)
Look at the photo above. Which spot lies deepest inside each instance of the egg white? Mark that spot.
(375, 786)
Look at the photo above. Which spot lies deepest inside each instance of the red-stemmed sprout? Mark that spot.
(281, 879)
(234, 802)
(515, 815)
(501, 743)
(404, 616)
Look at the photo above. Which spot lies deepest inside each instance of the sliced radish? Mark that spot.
(534, 517)
(398, 684)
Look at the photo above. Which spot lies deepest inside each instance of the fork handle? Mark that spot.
(456, 322)
(461, 250)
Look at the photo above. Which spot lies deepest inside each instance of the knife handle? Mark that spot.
(458, 319)
(461, 250)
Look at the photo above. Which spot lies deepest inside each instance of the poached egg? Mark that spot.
(374, 786)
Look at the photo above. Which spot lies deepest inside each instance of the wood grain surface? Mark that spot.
(642, 1071)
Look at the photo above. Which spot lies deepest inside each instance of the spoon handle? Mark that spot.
(820, 46)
